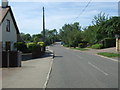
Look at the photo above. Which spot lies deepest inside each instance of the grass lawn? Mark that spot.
(108, 54)
(81, 49)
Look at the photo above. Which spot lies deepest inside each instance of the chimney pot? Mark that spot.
(4, 3)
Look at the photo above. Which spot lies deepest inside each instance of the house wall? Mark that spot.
(0, 39)
(8, 36)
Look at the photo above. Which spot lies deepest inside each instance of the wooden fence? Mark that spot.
(10, 59)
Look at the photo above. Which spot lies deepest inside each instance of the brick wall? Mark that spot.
(118, 45)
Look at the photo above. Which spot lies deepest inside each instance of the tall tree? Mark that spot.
(26, 37)
(71, 34)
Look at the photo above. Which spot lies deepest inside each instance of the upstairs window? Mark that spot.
(8, 25)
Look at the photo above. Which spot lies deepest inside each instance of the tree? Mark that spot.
(37, 37)
(25, 37)
(89, 34)
(101, 17)
(51, 36)
(71, 34)
(103, 27)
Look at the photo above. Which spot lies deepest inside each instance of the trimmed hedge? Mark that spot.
(21, 46)
(33, 46)
(109, 42)
(97, 46)
(30, 47)
(41, 44)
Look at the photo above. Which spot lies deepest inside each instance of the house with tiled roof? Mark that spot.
(9, 32)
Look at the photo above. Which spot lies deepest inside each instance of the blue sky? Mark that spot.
(29, 14)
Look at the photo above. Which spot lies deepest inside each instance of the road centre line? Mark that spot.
(98, 68)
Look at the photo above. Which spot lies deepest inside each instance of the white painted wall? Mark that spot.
(0, 39)
(0, 33)
(8, 36)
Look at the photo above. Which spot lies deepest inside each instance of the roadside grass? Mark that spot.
(81, 49)
(107, 54)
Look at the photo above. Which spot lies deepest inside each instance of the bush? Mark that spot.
(97, 46)
(33, 46)
(21, 46)
(109, 42)
(82, 45)
(66, 45)
(41, 44)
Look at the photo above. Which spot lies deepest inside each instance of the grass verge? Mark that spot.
(107, 54)
(81, 49)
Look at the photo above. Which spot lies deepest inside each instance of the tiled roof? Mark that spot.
(3, 12)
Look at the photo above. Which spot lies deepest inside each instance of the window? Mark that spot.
(8, 25)
(8, 45)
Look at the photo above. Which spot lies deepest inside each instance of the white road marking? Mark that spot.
(48, 75)
(98, 68)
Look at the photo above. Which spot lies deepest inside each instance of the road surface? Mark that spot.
(76, 69)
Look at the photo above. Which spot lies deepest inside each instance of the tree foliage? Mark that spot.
(71, 34)
(103, 27)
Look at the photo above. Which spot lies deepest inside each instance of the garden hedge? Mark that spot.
(109, 42)
(21, 46)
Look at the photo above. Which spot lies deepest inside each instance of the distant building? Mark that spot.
(9, 32)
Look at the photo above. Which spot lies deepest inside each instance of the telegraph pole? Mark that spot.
(44, 29)
(43, 25)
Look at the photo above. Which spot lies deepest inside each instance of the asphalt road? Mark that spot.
(76, 69)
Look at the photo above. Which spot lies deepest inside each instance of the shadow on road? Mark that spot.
(47, 54)
(58, 56)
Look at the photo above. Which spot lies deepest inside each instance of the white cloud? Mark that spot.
(29, 15)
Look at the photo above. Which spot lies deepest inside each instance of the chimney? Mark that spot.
(4, 3)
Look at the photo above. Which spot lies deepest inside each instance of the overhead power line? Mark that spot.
(82, 11)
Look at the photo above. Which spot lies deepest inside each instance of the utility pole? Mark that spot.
(44, 49)
(43, 25)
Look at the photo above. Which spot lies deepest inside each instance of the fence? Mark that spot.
(11, 59)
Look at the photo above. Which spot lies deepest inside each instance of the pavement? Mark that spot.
(109, 50)
(94, 51)
(0, 78)
(78, 69)
(33, 74)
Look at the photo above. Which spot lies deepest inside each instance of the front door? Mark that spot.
(8, 46)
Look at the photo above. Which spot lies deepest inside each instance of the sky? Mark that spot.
(29, 14)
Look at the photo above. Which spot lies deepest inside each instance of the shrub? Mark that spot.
(82, 45)
(109, 42)
(33, 46)
(41, 44)
(97, 46)
(66, 45)
(21, 46)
